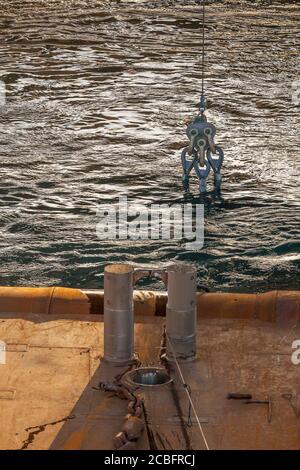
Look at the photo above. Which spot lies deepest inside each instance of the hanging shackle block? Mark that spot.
(202, 154)
(197, 131)
(181, 314)
(118, 313)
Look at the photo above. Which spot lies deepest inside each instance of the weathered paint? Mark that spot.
(276, 306)
(54, 367)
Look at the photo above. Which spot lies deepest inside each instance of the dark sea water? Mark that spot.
(98, 93)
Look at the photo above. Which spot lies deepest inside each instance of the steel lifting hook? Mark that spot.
(202, 154)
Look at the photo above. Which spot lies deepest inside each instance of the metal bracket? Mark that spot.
(157, 273)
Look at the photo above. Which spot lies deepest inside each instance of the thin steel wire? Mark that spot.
(203, 49)
(187, 388)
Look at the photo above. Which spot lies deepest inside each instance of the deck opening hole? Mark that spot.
(149, 376)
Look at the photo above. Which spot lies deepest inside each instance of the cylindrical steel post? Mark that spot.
(181, 321)
(118, 313)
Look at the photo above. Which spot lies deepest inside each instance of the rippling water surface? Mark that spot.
(98, 93)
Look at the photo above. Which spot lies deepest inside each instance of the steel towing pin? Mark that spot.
(201, 146)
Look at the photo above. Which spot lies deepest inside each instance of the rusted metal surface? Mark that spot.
(50, 396)
(282, 307)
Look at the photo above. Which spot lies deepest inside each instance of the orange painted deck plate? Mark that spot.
(49, 396)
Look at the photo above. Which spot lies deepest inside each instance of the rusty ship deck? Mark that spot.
(50, 396)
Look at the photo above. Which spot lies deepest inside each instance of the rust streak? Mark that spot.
(38, 429)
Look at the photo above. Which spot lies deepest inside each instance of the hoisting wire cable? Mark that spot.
(203, 49)
(198, 154)
(188, 392)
